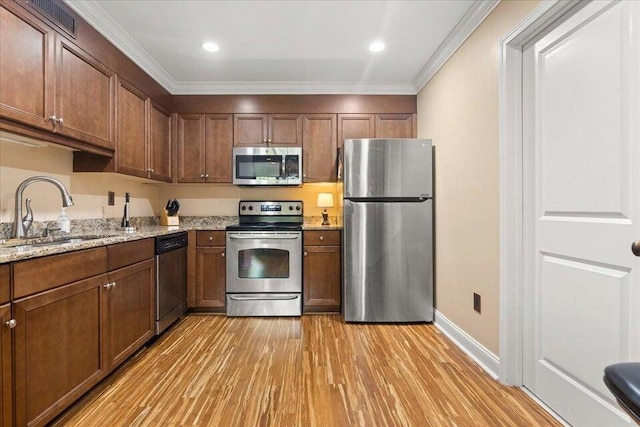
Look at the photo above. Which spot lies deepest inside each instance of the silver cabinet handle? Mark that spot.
(264, 141)
(201, 175)
(321, 238)
(113, 284)
(222, 254)
(306, 253)
(268, 141)
(53, 119)
(107, 286)
(206, 175)
(210, 238)
(151, 170)
(60, 120)
(11, 323)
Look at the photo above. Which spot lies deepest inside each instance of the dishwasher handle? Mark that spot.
(265, 236)
(262, 297)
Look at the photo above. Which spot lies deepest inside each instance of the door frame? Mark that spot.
(511, 162)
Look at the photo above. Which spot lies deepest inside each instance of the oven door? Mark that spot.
(269, 261)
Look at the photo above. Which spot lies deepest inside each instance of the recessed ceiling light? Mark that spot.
(376, 46)
(210, 46)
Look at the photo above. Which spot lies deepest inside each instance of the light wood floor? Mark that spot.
(309, 371)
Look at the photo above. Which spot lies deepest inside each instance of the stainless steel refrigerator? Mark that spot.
(387, 235)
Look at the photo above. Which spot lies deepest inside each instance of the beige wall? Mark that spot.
(458, 109)
(89, 190)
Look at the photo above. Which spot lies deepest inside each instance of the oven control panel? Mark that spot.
(270, 208)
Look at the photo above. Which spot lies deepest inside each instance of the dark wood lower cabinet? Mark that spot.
(6, 371)
(129, 304)
(211, 266)
(321, 272)
(59, 344)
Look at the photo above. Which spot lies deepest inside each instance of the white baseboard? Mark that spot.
(479, 353)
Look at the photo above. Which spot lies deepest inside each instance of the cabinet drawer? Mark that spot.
(317, 238)
(40, 274)
(127, 253)
(4, 283)
(211, 238)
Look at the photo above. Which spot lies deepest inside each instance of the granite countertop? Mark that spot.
(9, 252)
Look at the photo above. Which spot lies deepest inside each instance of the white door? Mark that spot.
(582, 209)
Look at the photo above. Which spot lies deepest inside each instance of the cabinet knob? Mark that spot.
(107, 286)
(53, 119)
(60, 121)
(11, 323)
(222, 254)
(113, 284)
(304, 175)
(306, 253)
(210, 238)
(264, 141)
(201, 175)
(268, 141)
(206, 175)
(151, 170)
(321, 238)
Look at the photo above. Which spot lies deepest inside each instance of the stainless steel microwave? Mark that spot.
(267, 165)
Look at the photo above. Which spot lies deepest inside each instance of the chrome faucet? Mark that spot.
(22, 224)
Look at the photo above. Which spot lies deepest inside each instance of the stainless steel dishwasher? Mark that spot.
(171, 279)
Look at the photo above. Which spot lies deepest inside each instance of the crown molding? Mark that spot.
(90, 11)
(290, 88)
(463, 29)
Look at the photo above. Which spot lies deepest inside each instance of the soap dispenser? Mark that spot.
(64, 222)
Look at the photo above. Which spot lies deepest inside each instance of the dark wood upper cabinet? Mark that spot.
(84, 101)
(320, 147)
(218, 137)
(285, 129)
(26, 81)
(395, 126)
(254, 130)
(159, 143)
(351, 126)
(131, 135)
(204, 147)
(191, 147)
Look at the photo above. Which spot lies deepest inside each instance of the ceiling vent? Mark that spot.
(56, 14)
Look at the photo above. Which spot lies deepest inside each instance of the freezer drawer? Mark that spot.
(264, 305)
(388, 262)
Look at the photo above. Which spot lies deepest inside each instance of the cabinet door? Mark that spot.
(211, 278)
(160, 143)
(321, 278)
(320, 147)
(285, 130)
(6, 374)
(26, 52)
(130, 304)
(219, 146)
(84, 97)
(131, 135)
(250, 129)
(58, 349)
(352, 126)
(395, 126)
(191, 147)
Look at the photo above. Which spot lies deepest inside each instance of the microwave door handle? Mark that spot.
(254, 237)
(283, 171)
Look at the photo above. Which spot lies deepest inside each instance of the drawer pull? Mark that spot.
(11, 323)
(222, 254)
(321, 238)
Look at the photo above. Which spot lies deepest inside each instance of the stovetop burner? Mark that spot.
(269, 216)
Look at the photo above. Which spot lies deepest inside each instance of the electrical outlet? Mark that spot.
(477, 303)
(111, 198)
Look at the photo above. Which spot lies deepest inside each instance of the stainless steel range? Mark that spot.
(264, 260)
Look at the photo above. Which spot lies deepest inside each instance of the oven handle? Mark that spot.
(262, 298)
(261, 237)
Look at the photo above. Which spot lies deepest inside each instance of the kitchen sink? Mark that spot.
(41, 242)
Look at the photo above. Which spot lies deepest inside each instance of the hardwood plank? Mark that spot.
(309, 371)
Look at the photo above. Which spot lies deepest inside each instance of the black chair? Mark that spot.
(623, 379)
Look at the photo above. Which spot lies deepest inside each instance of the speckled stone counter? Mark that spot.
(106, 233)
